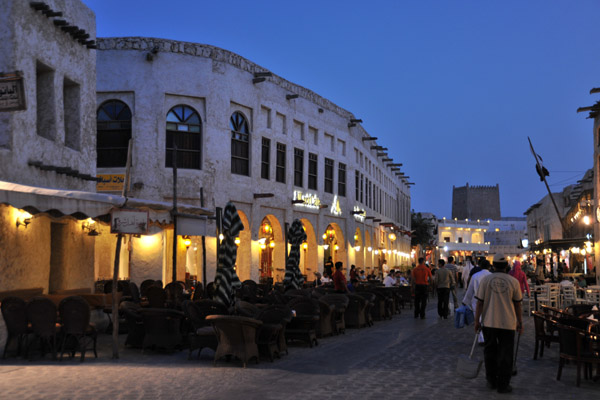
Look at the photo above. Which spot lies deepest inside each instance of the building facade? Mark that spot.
(461, 238)
(47, 108)
(476, 202)
(277, 150)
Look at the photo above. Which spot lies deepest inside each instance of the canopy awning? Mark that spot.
(82, 205)
(557, 245)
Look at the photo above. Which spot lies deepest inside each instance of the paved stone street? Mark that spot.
(403, 358)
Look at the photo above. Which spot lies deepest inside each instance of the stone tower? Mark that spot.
(476, 202)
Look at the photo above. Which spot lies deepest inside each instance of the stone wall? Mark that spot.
(476, 202)
(59, 82)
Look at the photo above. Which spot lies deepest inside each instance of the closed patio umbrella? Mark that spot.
(227, 281)
(293, 277)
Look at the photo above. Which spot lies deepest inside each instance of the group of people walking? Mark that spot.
(494, 296)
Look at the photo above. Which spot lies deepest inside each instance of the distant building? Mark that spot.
(461, 238)
(476, 202)
(505, 235)
(572, 245)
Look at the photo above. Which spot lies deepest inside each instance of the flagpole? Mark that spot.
(541, 172)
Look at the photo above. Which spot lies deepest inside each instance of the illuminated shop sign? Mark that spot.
(308, 200)
(335, 207)
(359, 213)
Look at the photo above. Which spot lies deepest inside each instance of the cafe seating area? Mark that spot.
(575, 329)
(263, 322)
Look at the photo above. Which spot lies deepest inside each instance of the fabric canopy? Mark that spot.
(81, 205)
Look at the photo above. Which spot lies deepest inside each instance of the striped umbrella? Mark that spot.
(293, 277)
(227, 281)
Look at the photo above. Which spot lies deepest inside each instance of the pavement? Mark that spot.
(403, 357)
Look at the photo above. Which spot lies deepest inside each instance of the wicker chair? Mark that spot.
(355, 313)
(147, 284)
(245, 309)
(575, 345)
(135, 292)
(543, 333)
(14, 311)
(157, 297)
(340, 301)
(304, 325)
(281, 314)
(162, 327)
(270, 332)
(203, 335)
(326, 319)
(41, 313)
(236, 336)
(135, 323)
(77, 332)
(370, 302)
(407, 298)
(174, 292)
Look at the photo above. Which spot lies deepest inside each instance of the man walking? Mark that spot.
(444, 280)
(454, 270)
(421, 276)
(499, 306)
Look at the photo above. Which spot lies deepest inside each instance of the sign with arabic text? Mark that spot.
(110, 183)
(12, 95)
(129, 221)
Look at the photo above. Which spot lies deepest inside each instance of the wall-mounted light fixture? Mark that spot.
(23, 219)
(187, 241)
(291, 96)
(89, 225)
(237, 241)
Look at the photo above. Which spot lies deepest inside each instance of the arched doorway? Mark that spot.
(334, 245)
(266, 240)
(271, 250)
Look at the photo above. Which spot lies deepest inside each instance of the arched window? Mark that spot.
(113, 127)
(240, 146)
(184, 130)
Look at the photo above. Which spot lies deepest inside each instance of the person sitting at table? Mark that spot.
(318, 281)
(325, 280)
(352, 285)
(564, 281)
(361, 276)
(390, 279)
(400, 279)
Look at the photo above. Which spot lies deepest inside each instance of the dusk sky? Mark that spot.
(452, 88)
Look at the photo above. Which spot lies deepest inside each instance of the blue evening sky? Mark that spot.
(452, 88)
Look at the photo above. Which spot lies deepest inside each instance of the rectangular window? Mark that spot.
(362, 186)
(342, 179)
(280, 166)
(447, 239)
(312, 171)
(357, 185)
(328, 176)
(71, 112)
(44, 94)
(298, 167)
(265, 157)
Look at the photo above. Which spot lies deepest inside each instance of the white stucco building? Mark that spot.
(277, 150)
